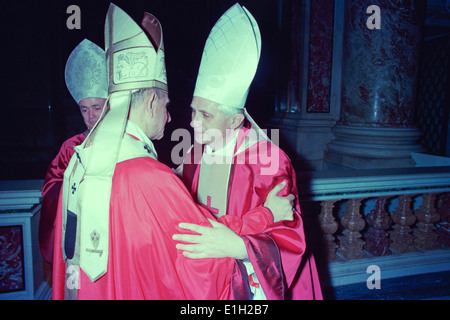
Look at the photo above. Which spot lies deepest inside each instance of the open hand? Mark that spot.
(216, 242)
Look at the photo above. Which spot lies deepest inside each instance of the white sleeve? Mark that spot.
(258, 293)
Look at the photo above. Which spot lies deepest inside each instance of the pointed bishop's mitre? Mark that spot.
(229, 61)
(135, 57)
(135, 60)
(230, 58)
(85, 72)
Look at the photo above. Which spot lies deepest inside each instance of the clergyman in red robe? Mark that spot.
(236, 165)
(86, 59)
(127, 251)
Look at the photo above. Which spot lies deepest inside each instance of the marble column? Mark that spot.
(305, 109)
(379, 75)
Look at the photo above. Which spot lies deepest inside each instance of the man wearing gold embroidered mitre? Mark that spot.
(233, 165)
(85, 76)
(120, 206)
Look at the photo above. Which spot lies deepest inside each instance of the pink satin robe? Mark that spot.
(148, 201)
(283, 263)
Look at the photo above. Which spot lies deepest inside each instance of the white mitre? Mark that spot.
(133, 62)
(85, 72)
(135, 57)
(230, 58)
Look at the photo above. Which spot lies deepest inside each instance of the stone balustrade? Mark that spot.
(357, 218)
(377, 212)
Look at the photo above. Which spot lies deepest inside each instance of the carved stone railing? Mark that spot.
(367, 213)
(380, 215)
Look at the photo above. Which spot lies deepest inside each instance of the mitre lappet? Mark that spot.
(230, 60)
(135, 60)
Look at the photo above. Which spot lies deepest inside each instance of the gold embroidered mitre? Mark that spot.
(135, 57)
(135, 60)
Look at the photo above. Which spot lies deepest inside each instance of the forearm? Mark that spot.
(252, 222)
(241, 250)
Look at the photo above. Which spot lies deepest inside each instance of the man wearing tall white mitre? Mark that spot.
(233, 165)
(85, 76)
(120, 206)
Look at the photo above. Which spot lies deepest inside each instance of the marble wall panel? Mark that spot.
(380, 65)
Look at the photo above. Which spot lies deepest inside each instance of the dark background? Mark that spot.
(38, 112)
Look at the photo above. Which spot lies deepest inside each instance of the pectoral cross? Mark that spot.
(209, 207)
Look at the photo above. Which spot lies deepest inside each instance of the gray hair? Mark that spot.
(138, 97)
(229, 111)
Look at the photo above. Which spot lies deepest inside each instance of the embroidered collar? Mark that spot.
(135, 131)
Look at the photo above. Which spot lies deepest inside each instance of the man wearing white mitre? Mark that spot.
(120, 206)
(233, 165)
